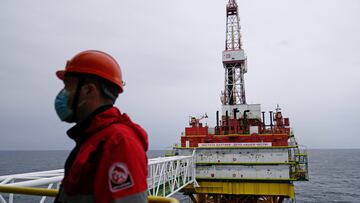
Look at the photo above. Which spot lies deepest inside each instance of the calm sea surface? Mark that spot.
(334, 173)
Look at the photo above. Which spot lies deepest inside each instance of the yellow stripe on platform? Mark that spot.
(241, 188)
(247, 179)
(246, 163)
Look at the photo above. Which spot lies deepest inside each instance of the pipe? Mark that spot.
(245, 120)
(263, 119)
(271, 119)
(245, 115)
(246, 111)
(227, 118)
(217, 129)
(235, 127)
(227, 122)
(235, 111)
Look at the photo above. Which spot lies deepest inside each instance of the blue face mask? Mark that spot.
(61, 106)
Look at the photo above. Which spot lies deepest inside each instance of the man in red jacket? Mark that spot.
(109, 162)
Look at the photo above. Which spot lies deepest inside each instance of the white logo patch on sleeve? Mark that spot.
(119, 177)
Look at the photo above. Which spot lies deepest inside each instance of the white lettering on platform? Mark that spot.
(242, 144)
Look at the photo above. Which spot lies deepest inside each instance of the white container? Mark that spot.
(233, 56)
(238, 155)
(254, 111)
(243, 172)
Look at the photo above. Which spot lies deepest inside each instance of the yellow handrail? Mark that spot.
(29, 191)
(54, 192)
(156, 199)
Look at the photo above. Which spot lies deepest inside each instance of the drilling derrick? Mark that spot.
(243, 158)
(234, 59)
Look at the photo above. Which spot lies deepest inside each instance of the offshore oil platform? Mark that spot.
(242, 158)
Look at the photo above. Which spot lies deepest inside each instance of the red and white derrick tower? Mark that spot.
(242, 159)
(234, 59)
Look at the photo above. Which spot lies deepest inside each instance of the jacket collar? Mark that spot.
(81, 131)
(102, 118)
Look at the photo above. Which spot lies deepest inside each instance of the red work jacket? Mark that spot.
(109, 162)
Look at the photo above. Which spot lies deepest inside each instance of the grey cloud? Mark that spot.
(302, 55)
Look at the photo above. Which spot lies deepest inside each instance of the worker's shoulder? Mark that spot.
(121, 134)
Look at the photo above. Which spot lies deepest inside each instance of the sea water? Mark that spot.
(334, 173)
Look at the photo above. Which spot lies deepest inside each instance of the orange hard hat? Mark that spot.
(96, 63)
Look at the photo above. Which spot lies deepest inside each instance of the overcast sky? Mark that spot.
(303, 55)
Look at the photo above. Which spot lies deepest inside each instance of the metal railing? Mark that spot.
(166, 176)
(49, 179)
(299, 155)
